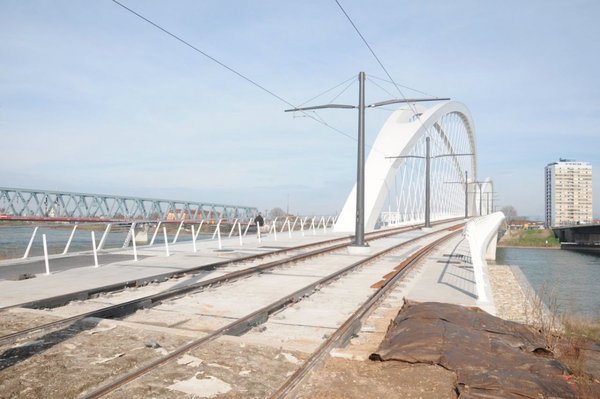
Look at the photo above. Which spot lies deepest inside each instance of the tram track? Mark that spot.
(128, 307)
(238, 326)
(259, 316)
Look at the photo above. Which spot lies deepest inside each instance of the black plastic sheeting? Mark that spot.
(492, 358)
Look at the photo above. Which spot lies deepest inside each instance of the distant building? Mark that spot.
(568, 193)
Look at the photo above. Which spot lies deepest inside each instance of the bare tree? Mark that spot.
(510, 213)
(276, 213)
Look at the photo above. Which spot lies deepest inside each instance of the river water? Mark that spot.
(573, 278)
(14, 239)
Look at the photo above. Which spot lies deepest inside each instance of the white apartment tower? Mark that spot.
(568, 193)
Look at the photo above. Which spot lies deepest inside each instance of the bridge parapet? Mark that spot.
(482, 235)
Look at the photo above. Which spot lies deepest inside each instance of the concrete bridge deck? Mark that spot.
(440, 278)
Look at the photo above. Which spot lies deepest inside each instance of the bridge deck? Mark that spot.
(440, 278)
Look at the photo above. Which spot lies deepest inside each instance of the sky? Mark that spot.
(94, 99)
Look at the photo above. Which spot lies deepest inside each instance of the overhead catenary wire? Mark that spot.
(417, 115)
(230, 69)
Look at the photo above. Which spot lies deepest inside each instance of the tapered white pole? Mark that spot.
(135, 258)
(155, 233)
(258, 232)
(178, 231)
(30, 242)
(274, 230)
(45, 254)
(219, 236)
(94, 249)
(166, 241)
(70, 239)
(240, 234)
(194, 239)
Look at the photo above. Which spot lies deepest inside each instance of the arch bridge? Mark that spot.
(395, 171)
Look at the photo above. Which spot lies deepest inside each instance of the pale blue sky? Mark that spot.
(93, 99)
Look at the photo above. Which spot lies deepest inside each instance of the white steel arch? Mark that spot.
(450, 127)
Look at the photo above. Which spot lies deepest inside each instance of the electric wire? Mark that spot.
(406, 87)
(327, 91)
(228, 67)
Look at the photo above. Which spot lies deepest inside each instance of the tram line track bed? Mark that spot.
(126, 344)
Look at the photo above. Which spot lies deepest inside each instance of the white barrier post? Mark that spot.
(313, 227)
(295, 220)
(94, 249)
(258, 226)
(30, 242)
(289, 228)
(46, 254)
(217, 228)
(166, 241)
(177, 234)
(199, 228)
(283, 225)
(219, 236)
(240, 234)
(274, 230)
(70, 239)
(247, 226)
(155, 233)
(302, 227)
(194, 239)
(232, 228)
(104, 236)
(135, 258)
(324, 225)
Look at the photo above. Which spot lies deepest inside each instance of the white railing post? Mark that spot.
(272, 227)
(194, 239)
(199, 228)
(283, 225)
(166, 241)
(240, 234)
(324, 224)
(258, 226)
(219, 236)
(104, 237)
(46, 254)
(30, 243)
(294, 225)
(155, 233)
(132, 229)
(247, 226)
(232, 228)
(289, 228)
(94, 249)
(70, 239)
(177, 234)
(217, 229)
(302, 226)
(274, 230)
(313, 227)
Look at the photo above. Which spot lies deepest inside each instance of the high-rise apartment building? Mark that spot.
(568, 193)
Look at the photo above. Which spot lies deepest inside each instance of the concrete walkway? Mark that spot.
(74, 273)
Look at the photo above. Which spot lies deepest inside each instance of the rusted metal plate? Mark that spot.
(492, 358)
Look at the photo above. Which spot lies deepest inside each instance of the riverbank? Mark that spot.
(529, 239)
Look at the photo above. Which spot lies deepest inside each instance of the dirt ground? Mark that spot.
(351, 379)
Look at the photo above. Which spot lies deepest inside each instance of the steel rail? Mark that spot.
(353, 324)
(245, 323)
(128, 307)
(60, 300)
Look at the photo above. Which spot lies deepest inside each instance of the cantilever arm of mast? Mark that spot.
(321, 107)
(407, 100)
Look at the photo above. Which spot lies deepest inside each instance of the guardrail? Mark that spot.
(482, 235)
(119, 235)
